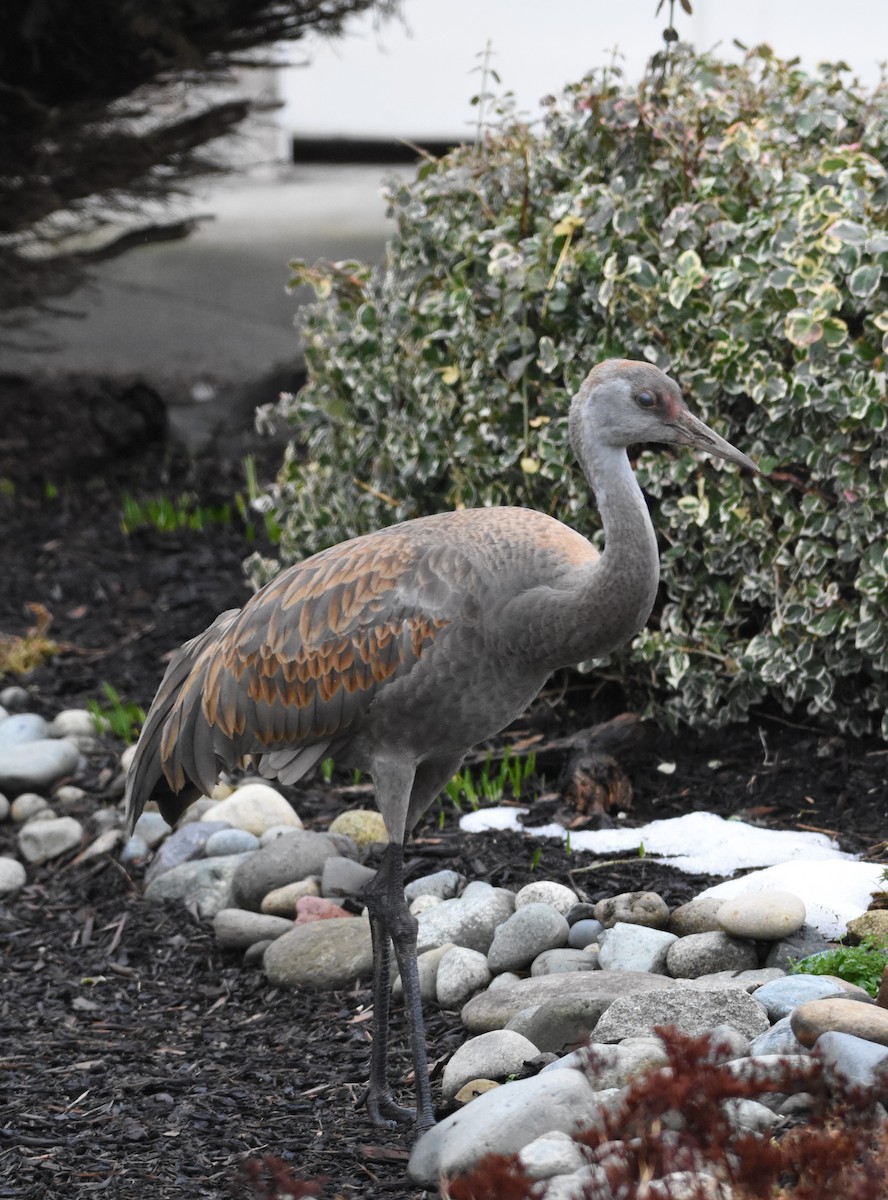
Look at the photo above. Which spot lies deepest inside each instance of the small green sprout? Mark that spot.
(123, 720)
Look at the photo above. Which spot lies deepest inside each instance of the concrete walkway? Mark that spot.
(214, 306)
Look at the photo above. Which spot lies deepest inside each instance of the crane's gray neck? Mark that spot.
(615, 598)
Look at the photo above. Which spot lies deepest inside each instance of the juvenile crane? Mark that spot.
(398, 651)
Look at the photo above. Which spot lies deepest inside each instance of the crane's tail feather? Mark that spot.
(291, 764)
(175, 758)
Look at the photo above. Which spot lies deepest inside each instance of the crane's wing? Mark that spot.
(295, 670)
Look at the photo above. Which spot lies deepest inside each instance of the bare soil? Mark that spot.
(138, 1059)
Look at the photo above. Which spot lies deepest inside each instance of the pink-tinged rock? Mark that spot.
(868, 1021)
(316, 908)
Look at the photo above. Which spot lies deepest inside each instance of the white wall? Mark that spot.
(417, 81)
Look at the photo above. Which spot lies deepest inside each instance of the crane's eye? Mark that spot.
(646, 400)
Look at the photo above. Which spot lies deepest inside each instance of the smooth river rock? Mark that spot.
(762, 915)
(867, 1021)
(294, 856)
(494, 1008)
(36, 766)
(323, 955)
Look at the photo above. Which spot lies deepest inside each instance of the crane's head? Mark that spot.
(623, 403)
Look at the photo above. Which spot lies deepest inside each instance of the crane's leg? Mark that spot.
(392, 923)
(403, 794)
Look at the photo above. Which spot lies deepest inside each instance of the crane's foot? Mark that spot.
(385, 1112)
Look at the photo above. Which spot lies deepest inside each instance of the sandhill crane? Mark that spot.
(398, 651)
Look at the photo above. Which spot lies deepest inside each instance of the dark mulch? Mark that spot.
(138, 1059)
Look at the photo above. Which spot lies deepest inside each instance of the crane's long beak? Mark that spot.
(691, 431)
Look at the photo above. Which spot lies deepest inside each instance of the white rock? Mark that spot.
(766, 915)
(12, 877)
(627, 947)
(230, 841)
(29, 805)
(461, 973)
(281, 901)
(67, 795)
(73, 722)
(36, 765)
(546, 891)
(22, 729)
(255, 807)
(151, 828)
(423, 903)
(500, 1121)
(833, 891)
(555, 1153)
(41, 840)
(127, 757)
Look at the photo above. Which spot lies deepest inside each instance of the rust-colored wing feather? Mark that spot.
(294, 671)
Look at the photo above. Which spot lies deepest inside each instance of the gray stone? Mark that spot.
(627, 947)
(41, 840)
(343, 876)
(779, 1039)
(135, 849)
(781, 996)
(556, 962)
(296, 856)
(494, 1055)
(494, 1008)
(230, 841)
(636, 908)
(15, 698)
(461, 973)
(236, 929)
(584, 932)
(322, 955)
(469, 920)
(692, 1011)
(697, 916)
(771, 1070)
(546, 891)
(765, 916)
(612, 1066)
(21, 729)
(443, 884)
(854, 1060)
(525, 934)
(808, 940)
(503, 1121)
(185, 843)
(36, 765)
(557, 1025)
(203, 883)
(687, 1185)
(750, 980)
(12, 877)
(427, 967)
(703, 953)
(749, 1114)
(4, 807)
